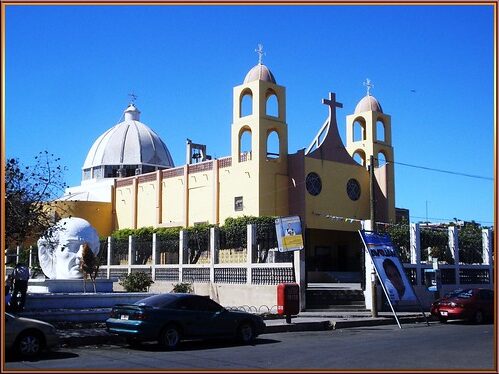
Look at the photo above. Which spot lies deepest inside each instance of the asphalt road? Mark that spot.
(455, 345)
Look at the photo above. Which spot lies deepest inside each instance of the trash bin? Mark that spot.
(288, 300)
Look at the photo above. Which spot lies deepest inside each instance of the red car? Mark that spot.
(473, 304)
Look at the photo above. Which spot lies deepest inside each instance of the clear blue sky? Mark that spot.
(69, 70)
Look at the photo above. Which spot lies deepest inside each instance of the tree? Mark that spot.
(28, 190)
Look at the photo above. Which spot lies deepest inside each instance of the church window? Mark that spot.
(272, 105)
(246, 104)
(245, 145)
(273, 146)
(353, 189)
(360, 157)
(87, 174)
(380, 131)
(381, 159)
(313, 184)
(359, 130)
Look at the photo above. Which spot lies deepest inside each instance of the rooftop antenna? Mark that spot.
(368, 85)
(260, 52)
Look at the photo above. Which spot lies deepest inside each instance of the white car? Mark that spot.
(28, 337)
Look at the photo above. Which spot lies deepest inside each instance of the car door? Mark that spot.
(211, 318)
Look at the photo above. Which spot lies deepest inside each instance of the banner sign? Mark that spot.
(289, 233)
(388, 267)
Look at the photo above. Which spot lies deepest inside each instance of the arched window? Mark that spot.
(381, 159)
(246, 104)
(359, 130)
(380, 131)
(273, 145)
(360, 157)
(272, 105)
(245, 144)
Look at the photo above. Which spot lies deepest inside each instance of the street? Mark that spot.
(456, 345)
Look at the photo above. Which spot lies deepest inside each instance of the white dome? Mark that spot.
(367, 104)
(259, 72)
(129, 143)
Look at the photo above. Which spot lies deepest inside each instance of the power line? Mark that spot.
(442, 171)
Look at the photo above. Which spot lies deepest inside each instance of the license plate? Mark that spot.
(443, 313)
(124, 316)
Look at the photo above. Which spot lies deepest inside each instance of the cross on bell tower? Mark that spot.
(133, 98)
(368, 85)
(260, 52)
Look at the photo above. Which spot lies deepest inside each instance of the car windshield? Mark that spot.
(466, 294)
(162, 301)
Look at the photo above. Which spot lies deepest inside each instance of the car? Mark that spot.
(473, 304)
(436, 303)
(28, 337)
(171, 317)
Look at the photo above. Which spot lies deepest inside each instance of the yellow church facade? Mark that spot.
(328, 184)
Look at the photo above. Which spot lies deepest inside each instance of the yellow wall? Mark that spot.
(146, 204)
(124, 207)
(200, 197)
(98, 214)
(172, 202)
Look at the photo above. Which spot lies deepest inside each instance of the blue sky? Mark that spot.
(69, 70)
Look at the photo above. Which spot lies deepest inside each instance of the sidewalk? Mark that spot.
(305, 321)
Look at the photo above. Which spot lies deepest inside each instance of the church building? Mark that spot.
(129, 179)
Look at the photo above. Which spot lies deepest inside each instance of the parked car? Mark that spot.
(28, 337)
(473, 304)
(172, 317)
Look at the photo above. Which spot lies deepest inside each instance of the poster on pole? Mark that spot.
(289, 233)
(390, 271)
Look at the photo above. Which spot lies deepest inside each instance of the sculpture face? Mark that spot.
(60, 255)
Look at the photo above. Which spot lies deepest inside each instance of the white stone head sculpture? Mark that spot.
(60, 253)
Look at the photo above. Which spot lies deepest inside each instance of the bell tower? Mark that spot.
(369, 134)
(259, 139)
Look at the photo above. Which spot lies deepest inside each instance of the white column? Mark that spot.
(30, 258)
(154, 255)
(250, 242)
(109, 253)
(487, 252)
(299, 264)
(416, 249)
(182, 244)
(130, 251)
(369, 267)
(18, 253)
(214, 245)
(454, 249)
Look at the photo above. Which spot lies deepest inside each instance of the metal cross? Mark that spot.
(333, 104)
(133, 97)
(260, 52)
(369, 85)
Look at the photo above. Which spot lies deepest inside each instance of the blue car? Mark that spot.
(172, 317)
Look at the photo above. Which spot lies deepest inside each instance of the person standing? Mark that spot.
(20, 277)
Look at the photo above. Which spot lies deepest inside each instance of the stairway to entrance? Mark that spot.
(335, 297)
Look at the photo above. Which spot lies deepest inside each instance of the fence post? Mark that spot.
(130, 251)
(154, 255)
(250, 242)
(214, 245)
(487, 252)
(454, 249)
(109, 256)
(368, 225)
(415, 236)
(30, 258)
(182, 244)
(18, 254)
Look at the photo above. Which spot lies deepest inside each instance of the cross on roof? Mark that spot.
(369, 85)
(333, 104)
(133, 97)
(260, 52)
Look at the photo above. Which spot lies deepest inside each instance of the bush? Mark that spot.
(136, 282)
(182, 288)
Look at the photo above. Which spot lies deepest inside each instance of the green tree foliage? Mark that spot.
(28, 189)
(470, 243)
(437, 241)
(198, 241)
(183, 288)
(138, 281)
(400, 236)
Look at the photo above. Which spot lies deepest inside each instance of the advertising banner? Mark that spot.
(289, 233)
(389, 268)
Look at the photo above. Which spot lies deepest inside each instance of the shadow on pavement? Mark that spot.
(45, 356)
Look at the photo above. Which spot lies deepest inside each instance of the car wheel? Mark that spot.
(29, 344)
(169, 337)
(246, 333)
(478, 317)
